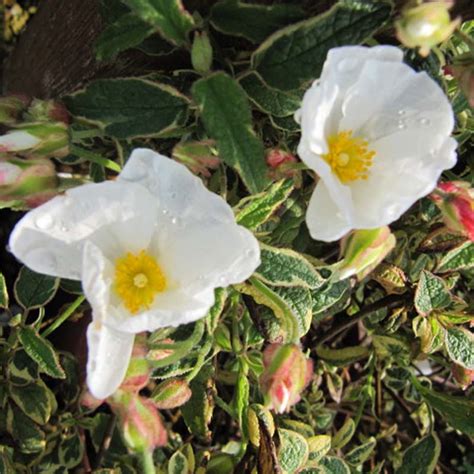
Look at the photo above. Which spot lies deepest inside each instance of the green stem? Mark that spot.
(69, 311)
(146, 458)
(95, 158)
(90, 133)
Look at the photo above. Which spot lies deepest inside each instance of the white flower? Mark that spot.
(150, 248)
(378, 135)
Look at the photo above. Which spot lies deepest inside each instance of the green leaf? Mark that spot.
(268, 100)
(392, 347)
(168, 16)
(197, 412)
(212, 318)
(35, 400)
(297, 53)
(225, 112)
(344, 435)
(430, 332)
(255, 210)
(33, 290)
(285, 267)
(331, 295)
(127, 32)
(459, 258)
(41, 351)
(460, 347)
(240, 401)
(128, 108)
(330, 465)
(3, 292)
(29, 437)
(361, 453)
(421, 457)
(178, 464)
(253, 22)
(342, 357)
(431, 293)
(457, 411)
(71, 450)
(319, 446)
(293, 451)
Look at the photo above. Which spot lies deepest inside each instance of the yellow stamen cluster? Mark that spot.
(348, 156)
(138, 278)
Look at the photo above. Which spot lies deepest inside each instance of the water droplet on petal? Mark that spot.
(173, 195)
(249, 253)
(165, 212)
(402, 112)
(44, 222)
(402, 125)
(174, 220)
(425, 121)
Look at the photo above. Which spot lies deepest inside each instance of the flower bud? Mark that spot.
(11, 108)
(37, 139)
(140, 423)
(464, 73)
(201, 52)
(281, 164)
(47, 111)
(27, 183)
(286, 373)
(171, 394)
(199, 157)
(138, 371)
(464, 377)
(455, 199)
(426, 25)
(363, 250)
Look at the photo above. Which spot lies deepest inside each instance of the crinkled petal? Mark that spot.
(50, 238)
(324, 219)
(180, 194)
(108, 359)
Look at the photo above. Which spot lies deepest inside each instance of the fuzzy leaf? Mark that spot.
(460, 347)
(361, 453)
(255, 210)
(127, 32)
(254, 22)
(41, 351)
(33, 290)
(3, 292)
(285, 267)
(344, 435)
(296, 53)
(167, 16)
(460, 258)
(35, 400)
(29, 437)
(178, 464)
(431, 293)
(131, 107)
(318, 447)
(421, 457)
(225, 112)
(342, 357)
(293, 451)
(268, 100)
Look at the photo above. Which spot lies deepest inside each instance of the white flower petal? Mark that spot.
(180, 194)
(108, 359)
(324, 219)
(18, 140)
(50, 238)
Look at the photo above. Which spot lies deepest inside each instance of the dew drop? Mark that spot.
(425, 121)
(402, 112)
(44, 222)
(165, 212)
(174, 220)
(173, 195)
(401, 124)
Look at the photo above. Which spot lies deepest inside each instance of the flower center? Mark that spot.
(138, 278)
(348, 156)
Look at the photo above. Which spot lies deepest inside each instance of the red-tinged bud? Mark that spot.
(282, 165)
(140, 423)
(455, 199)
(200, 157)
(171, 394)
(139, 369)
(159, 354)
(464, 377)
(25, 184)
(287, 371)
(11, 108)
(363, 250)
(47, 111)
(90, 402)
(276, 158)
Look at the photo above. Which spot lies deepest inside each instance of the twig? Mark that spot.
(105, 444)
(388, 302)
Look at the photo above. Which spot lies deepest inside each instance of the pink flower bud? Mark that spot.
(11, 108)
(286, 373)
(47, 111)
(276, 158)
(363, 250)
(27, 183)
(138, 371)
(171, 394)
(464, 377)
(455, 199)
(140, 423)
(282, 165)
(199, 157)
